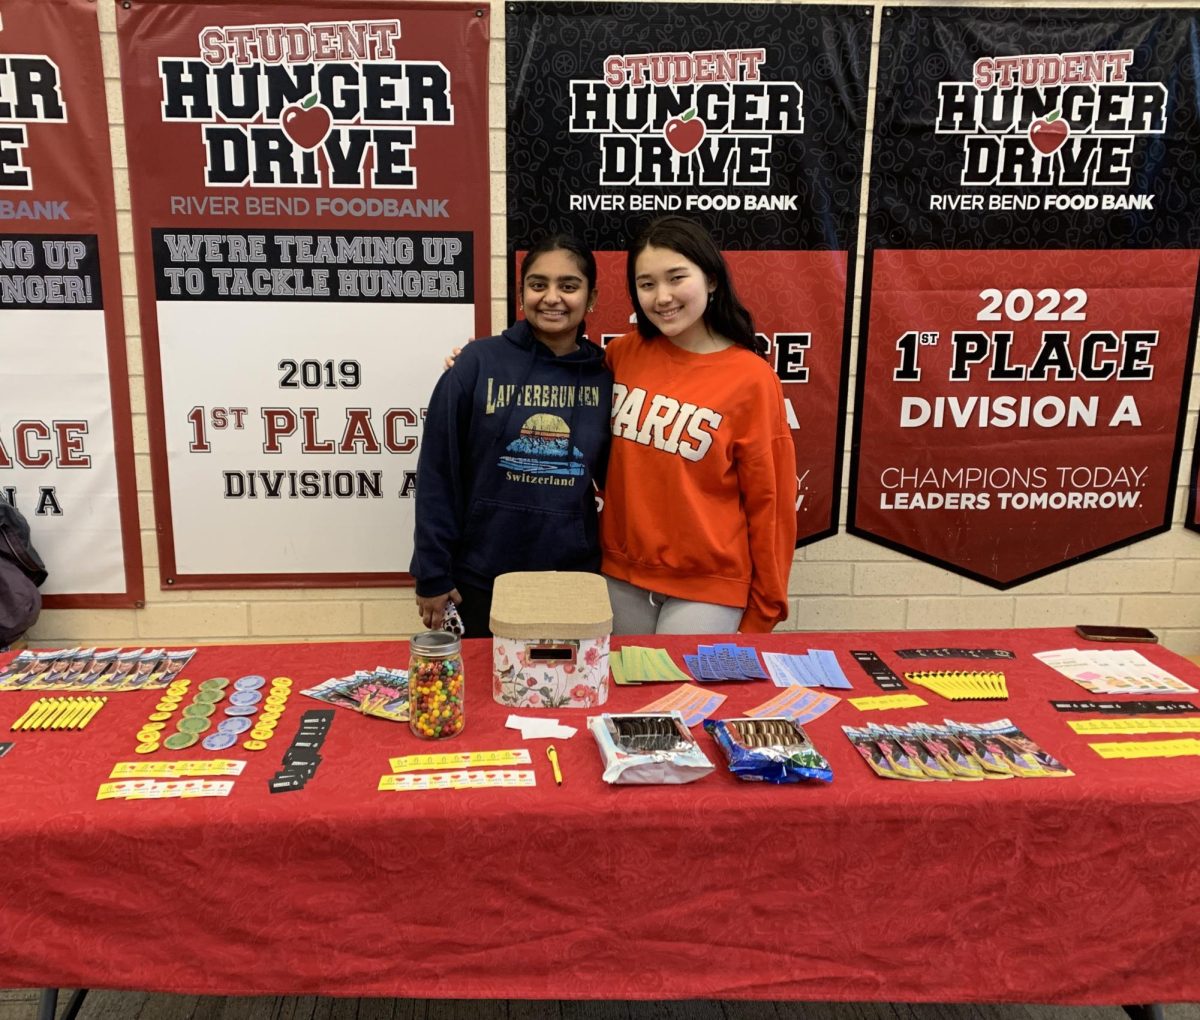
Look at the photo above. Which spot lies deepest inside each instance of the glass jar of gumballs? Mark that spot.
(436, 688)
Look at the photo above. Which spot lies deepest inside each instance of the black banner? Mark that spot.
(748, 118)
(1030, 306)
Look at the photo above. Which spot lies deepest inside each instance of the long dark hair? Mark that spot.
(726, 315)
(568, 243)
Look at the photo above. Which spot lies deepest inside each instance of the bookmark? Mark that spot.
(459, 759)
(457, 780)
(878, 670)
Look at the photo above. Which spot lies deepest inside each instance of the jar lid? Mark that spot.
(435, 642)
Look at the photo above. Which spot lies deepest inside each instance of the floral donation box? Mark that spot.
(550, 645)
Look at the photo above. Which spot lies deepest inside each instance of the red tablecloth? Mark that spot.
(1080, 890)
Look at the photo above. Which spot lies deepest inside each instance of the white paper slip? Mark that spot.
(539, 728)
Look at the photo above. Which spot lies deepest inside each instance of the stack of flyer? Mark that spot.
(1113, 671)
(382, 692)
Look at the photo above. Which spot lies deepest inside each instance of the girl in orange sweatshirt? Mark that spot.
(699, 523)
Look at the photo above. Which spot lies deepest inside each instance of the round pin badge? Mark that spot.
(161, 716)
(240, 709)
(249, 683)
(180, 741)
(219, 741)
(260, 734)
(216, 681)
(245, 698)
(210, 697)
(234, 726)
(254, 745)
(199, 710)
(150, 727)
(193, 724)
(168, 705)
(147, 747)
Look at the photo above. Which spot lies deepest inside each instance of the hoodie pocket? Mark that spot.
(500, 538)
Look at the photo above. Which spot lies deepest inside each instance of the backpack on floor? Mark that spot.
(21, 572)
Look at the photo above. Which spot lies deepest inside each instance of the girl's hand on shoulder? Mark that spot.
(451, 358)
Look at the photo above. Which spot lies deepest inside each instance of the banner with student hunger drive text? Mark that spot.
(310, 201)
(1031, 285)
(749, 119)
(66, 448)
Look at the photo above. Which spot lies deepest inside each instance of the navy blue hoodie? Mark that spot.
(513, 440)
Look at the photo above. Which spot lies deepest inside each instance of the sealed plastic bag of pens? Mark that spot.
(769, 750)
(648, 747)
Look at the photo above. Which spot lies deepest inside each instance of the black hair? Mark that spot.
(725, 316)
(563, 242)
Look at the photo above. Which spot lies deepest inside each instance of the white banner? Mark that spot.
(57, 462)
(292, 431)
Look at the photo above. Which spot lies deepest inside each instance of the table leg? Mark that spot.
(48, 1004)
(1149, 1011)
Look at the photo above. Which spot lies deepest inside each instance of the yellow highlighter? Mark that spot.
(553, 756)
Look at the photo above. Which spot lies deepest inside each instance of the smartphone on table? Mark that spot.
(1091, 632)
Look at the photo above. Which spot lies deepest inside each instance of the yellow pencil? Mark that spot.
(36, 718)
(96, 705)
(48, 709)
(56, 710)
(25, 716)
(71, 721)
(63, 718)
(90, 707)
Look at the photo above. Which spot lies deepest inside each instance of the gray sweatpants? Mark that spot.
(639, 611)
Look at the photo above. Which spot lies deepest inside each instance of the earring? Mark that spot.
(710, 296)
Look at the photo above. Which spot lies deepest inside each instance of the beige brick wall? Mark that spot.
(843, 583)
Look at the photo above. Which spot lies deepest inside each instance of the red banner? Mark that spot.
(1015, 394)
(310, 195)
(1193, 510)
(66, 448)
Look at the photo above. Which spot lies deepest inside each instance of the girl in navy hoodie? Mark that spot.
(514, 445)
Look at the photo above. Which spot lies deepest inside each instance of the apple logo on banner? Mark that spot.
(684, 133)
(1048, 133)
(306, 124)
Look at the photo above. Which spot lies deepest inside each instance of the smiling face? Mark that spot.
(555, 297)
(673, 293)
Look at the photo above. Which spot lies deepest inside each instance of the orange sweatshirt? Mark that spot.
(700, 500)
